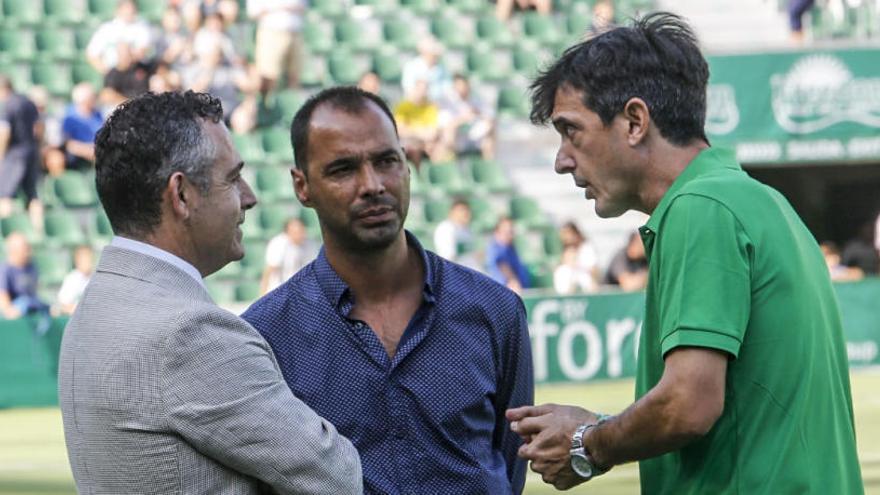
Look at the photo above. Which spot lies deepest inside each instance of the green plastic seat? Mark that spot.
(23, 12)
(527, 60)
(18, 73)
(437, 209)
(57, 43)
(353, 33)
(103, 231)
(491, 65)
(313, 72)
(62, 228)
(75, 191)
(254, 259)
(251, 228)
(19, 222)
(318, 37)
(289, 101)
(52, 265)
(65, 12)
(57, 78)
(102, 9)
(274, 217)
(526, 212)
(345, 68)
(380, 7)
(552, 243)
(448, 177)
(18, 44)
(543, 29)
(276, 144)
(250, 147)
(400, 33)
(483, 214)
(422, 7)
(310, 219)
(83, 72)
(274, 184)
(471, 7)
(494, 31)
(329, 8)
(513, 102)
(490, 176)
(388, 66)
(452, 32)
(152, 10)
(246, 292)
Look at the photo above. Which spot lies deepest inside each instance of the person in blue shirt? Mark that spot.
(502, 260)
(80, 126)
(18, 285)
(414, 358)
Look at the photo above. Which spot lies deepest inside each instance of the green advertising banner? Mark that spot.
(796, 107)
(593, 337)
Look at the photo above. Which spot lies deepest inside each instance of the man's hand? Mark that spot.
(547, 431)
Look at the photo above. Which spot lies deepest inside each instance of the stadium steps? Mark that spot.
(734, 25)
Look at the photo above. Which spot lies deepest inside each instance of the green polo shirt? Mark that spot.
(733, 268)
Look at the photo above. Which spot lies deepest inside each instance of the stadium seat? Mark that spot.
(313, 72)
(254, 259)
(309, 218)
(251, 228)
(527, 60)
(276, 144)
(23, 12)
(274, 217)
(152, 10)
(345, 68)
(247, 292)
(453, 32)
(62, 228)
(83, 72)
(471, 6)
(489, 175)
(513, 102)
(59, 44)
(527, 213)
(250, 147)
(400, 33)
(19, 222)
(102, 9)
(103, 231)
(437, 209)
(289, 101)
(388, 66)
(18, 44)
(552, 243)
(492, 65)
(494, 31)
(19, 73)
(357, 34)
(329, 8)
(52, 265)
(542, 29)
(274, 184)
(447, 177)
(318, 37)
(379, 6)
(64, 12)
(57, 78)
(482, 213)
(422, 7)
(75, 191)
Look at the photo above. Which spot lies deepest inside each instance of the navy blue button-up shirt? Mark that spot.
(430, 419)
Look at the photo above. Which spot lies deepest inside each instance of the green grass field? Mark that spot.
(33, 459)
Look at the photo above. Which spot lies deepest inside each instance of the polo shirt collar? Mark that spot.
(707, 161)
(339, 293)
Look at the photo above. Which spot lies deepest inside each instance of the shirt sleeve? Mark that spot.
(703, 286)
(225, 395)
(515, 389)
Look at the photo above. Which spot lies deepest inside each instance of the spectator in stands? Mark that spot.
(468, 123)
(171, 43)
(19, 152)
(212, 36)
(796, 11)
(279, 49)
(48, 133)
(427, 66)
(877, 234)
(838, 271)
(418, 121)
(126, 28)
(453, 238)
(860, 251)
(80, 126)
(231, 84)
(75, 282)
(286, 254)
(19, 282)
(127, 79)
(503, 8)
(603, 17)
(629, 267)
(240, 35)
(502, 260)
(370, 83)
(578, 270)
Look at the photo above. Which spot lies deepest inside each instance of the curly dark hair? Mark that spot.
(656, 59)
(143, 142)
(350, 99)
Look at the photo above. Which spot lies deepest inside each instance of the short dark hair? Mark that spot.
(350, 99)
(143, 142)
(656, 59)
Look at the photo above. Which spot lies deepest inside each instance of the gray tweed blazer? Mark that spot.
(164, 392)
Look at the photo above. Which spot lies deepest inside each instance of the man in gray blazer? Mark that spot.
(161, 390)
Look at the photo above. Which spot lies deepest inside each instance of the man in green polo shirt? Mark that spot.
(742, 384)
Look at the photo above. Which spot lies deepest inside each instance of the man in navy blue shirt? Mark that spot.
(19, 152)
(414, 358)
(80, 126)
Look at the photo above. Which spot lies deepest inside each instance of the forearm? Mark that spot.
(80, 149)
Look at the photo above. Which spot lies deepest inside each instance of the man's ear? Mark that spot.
(179, 192)
(300, 186)
(638, 120)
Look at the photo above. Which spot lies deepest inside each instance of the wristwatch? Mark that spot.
(582, 462)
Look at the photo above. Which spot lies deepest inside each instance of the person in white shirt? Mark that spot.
(578, 270)
(286, 254)
(124, 29)
(427, 66)
(467, 123)
(75, 282)
(453, 238)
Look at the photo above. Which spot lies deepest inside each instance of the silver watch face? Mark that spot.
(581, 466)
